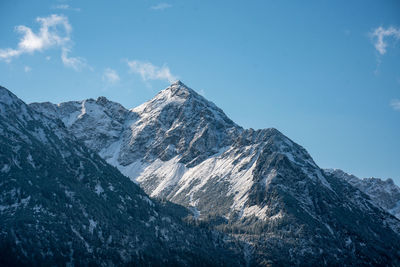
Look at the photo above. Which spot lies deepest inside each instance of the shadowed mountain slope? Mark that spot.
(60, 203)
(257, 185)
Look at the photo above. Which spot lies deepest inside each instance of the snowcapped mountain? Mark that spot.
(257, 185)
(385, 194)
(177, 138)
(61, 204)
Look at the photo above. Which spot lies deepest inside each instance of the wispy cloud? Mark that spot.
(381, 35)
(149, 71)
(66, 7)
(161, 6)
(54, 31)
(77, 63)
(110, 76)
(395, 104)
(27, 69)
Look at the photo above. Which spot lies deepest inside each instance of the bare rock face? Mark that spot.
(384, 193)
(256, 185)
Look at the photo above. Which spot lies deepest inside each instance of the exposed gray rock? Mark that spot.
(61, 204)
(384, 193)
(257, 185)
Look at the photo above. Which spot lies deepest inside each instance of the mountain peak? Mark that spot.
(176, 94)
(179, 89)
(102, 99)
(178, 82)
(183, 98)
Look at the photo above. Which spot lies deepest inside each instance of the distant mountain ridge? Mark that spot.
(384, 193)
(257, 185)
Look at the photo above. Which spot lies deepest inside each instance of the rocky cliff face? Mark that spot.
(384, 193)
(257, 185)
(60, 203)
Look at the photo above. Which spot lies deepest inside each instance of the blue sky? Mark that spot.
(325, 73)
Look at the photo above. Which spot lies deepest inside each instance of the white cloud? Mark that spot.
(54, 31)
(77, 63)
(161, 6)
(49, 35)
(149, 71)
(66, 7)
(110, 76)
(27, 69)
(395, 104)
(380, 36)
(7, 54)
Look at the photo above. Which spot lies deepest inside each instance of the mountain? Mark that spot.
(62, 204)
(257, 185)
(385, 194)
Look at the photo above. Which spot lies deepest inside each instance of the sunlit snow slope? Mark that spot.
(61, 204)
(256, 184)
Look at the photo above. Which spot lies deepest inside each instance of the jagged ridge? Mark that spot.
(385, 194)
(259, 185)
(60, 204)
